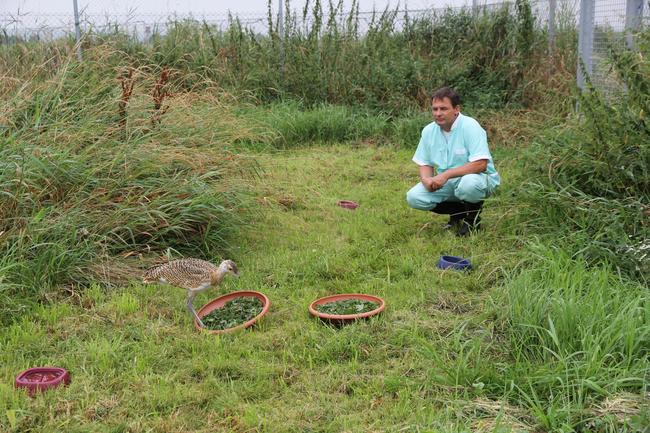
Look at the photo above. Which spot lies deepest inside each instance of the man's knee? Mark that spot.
(471, 188)
(414, 200)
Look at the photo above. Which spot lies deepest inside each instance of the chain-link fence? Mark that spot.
(601, 24)
(46, 27)
(610, 25)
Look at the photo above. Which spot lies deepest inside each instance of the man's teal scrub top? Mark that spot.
(467, 142)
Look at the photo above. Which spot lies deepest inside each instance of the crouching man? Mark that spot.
(456, 169)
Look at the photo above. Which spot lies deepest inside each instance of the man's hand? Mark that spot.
(438, 181)
(428, 183)
(431, 182)
(434, 183)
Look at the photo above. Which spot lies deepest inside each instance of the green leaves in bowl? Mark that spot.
(235, 312)
(347, 306)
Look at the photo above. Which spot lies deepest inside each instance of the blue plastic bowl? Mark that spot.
(453, 262)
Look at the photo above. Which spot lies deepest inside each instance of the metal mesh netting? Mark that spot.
(34, 26)
(609, 31)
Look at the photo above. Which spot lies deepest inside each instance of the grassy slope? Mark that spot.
(137, 364)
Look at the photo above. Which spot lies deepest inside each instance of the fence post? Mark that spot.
(551, 24)
(281, 35)
(77, 29)
(475, 7)
(633, 17)
(585, 40)
(280, 20)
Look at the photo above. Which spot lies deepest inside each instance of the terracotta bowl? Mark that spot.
(221, 300)
(345, 318)
(347, 204)
(42, 378)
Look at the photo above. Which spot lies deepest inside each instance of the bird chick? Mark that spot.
(194, 275)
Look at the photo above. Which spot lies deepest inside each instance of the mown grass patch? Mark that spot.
(291, 373)
(436, 360)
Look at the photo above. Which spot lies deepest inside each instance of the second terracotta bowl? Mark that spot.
(344, 318)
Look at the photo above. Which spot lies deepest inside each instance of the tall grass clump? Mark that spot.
(91, 180)
(398, 59)
(567, 341)
(593, 173)
(576, 336)
(290, 124)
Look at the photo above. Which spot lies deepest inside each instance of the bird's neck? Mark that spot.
(218, 276)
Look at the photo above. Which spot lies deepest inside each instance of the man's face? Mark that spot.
(444, 113)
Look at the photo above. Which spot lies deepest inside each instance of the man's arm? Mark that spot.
(426, 177)
(433, 183)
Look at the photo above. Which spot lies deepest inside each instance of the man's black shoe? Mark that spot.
(454, 221)
(466, 229)
(455, 210)
(472, 219)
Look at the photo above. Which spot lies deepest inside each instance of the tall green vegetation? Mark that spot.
(593, 174)
(388, 60)
(568, 341)
(578, 335)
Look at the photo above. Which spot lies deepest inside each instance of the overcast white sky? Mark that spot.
(164, 7)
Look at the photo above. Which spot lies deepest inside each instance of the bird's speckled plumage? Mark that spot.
(195, 275)
(190, 274)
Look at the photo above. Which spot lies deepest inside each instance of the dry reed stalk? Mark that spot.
(127, 89)
(158, 94)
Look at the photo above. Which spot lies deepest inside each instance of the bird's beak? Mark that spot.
(235, 274)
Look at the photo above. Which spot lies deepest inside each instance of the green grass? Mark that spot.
(435, 360)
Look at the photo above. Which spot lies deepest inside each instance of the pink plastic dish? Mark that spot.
(347, 204)
(42, 378)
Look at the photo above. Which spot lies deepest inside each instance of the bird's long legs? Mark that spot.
(190, 307)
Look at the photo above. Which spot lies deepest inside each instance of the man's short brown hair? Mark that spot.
(446, 92)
